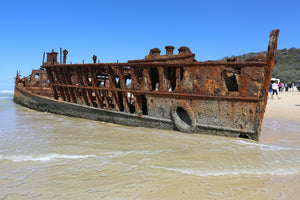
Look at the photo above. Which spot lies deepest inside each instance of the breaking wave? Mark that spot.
(6, 91)
(233, 172)
(266, 147)
(43, 158)
(118, 154)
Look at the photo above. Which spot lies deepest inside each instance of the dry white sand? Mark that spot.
(287, 107)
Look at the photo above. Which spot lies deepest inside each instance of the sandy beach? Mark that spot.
(119, 162)
(287, 107)
(285, 110)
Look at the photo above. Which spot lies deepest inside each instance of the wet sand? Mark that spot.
(47, 156)
(224, 187)
(286, 111)
(281, 117)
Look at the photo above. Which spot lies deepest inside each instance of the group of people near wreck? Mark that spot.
(276, 87)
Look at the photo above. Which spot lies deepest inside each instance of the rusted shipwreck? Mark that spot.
(160, 91)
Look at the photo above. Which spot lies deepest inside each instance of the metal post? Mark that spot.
(43, 58)
(60, 61)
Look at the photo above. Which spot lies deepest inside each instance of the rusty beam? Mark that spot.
(76, 90)
(171, 94)
(112, 82)
(51, 81)
(162, 79)
(86, 83)
(81, 90)
(105, 95)
(146, 79)
(60, 88)
(138, 103)
(95, 84)
(64, 81)
(69, 82)
(122, 80)
(153, 64)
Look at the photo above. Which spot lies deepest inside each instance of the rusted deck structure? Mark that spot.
(171, 91)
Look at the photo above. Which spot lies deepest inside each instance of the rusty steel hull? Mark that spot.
(45, 104)
(161, 91)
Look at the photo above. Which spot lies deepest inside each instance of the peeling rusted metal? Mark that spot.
(226, 97)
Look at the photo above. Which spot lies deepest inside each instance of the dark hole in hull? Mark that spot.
(231, 83)
(244, 136)
(183, 115)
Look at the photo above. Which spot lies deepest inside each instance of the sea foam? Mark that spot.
(232, 172)
(6, 91)
(266, 147)
(43, 158)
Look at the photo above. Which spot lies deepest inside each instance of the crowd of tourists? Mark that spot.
(276, 87)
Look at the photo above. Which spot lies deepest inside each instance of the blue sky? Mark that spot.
(128, 29)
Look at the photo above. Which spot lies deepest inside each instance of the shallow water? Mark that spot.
(47, 156)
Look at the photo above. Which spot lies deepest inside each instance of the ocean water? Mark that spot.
(47, 156)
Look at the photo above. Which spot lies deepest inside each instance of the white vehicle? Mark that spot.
(273, 80)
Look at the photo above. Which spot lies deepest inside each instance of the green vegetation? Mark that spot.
(287, 64)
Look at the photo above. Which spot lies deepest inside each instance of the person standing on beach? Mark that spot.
(270, 90)
(275, 89)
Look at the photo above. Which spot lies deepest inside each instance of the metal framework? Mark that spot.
(228, 95)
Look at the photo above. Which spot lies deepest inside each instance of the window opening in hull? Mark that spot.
(230, 81)
(154, 78)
